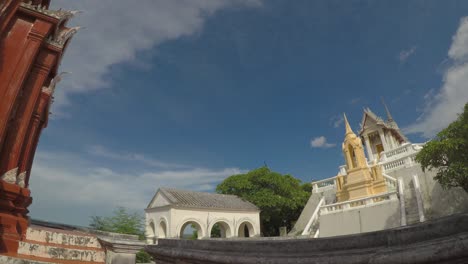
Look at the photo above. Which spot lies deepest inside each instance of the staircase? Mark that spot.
(50, 245)
(312, 203)
(411, 205)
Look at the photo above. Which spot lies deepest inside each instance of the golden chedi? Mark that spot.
(361, 179)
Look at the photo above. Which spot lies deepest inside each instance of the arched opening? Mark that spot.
(191, 230)
(151, 233)
(162, 230)
(220, 230)
(245, 230)
(352, 163)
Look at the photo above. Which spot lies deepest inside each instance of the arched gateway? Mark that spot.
(176, 213)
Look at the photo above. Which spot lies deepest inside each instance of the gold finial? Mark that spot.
(348, 127)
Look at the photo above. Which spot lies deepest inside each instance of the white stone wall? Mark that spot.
(365, 219)
(437, 201)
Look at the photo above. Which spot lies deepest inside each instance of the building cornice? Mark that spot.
(60, 14)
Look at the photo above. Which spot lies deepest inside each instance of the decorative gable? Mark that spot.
(369, 123)
(159, 200)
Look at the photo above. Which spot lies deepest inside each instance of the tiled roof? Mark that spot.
(390, 124)
(206, 200)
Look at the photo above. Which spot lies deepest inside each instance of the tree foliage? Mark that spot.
(280, 198)
(448, 154)
(123, 222)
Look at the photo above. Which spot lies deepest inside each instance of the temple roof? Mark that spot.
(204, 200)
(389, 124)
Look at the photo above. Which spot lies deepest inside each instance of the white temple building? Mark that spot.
(172, 210)
(355, 200)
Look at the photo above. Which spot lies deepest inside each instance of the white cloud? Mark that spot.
(115, 30)
(101, 151)
(65, 183)
(405, 54)
(442, 107)
(320, 142)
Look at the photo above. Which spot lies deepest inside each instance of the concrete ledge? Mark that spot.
(443, 240)
(11, 260)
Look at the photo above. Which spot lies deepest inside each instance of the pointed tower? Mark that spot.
(361, 180)
(389, 116)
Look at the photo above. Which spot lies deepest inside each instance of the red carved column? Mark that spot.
(38, 122)
(10, 154)
(10, 89)
(14, 200)
(32, 40)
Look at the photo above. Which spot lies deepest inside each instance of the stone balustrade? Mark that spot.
(403, 162)
(402, 151)
(397, 151)
(363, 202)
(323, 185)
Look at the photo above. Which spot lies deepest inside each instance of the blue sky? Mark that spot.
(185, 93)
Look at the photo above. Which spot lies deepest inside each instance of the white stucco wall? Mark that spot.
(207, 218)
(364, 219)
(156, 216)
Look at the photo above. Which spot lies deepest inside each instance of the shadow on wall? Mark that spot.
(393, 220)
(448, 201)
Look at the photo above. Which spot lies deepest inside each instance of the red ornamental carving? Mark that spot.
(32, 41)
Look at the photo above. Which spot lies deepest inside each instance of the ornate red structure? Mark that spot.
(32, 41)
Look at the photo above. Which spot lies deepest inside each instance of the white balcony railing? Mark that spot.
(323, 185)
(402, 151)
(397, 151)
(357, 203)
(403, 162)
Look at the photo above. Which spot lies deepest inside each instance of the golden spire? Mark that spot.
(348, 127)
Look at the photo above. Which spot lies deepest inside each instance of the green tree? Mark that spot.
(448, 154)
(123, 222)
(215, 231)
(280, 198)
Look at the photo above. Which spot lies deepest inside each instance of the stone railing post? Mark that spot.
(120, 249)
(314, 187)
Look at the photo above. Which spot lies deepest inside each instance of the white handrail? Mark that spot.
(389, 177)
(317, 233)
(313, 217)
(401, 192)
